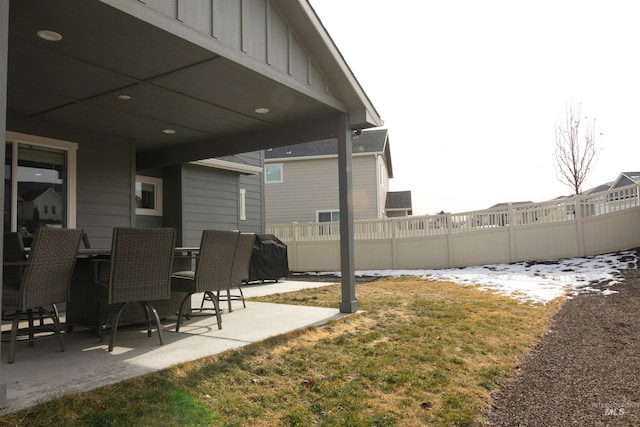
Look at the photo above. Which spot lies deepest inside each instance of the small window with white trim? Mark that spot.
(148, 195)
(273, 173)
(243, 204)
(328, 216)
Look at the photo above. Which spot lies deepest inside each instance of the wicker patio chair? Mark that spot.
(212, 272)
(139, 271)
(13, 253)
(44, 283)
(239, 272)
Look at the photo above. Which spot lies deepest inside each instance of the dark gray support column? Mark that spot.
(349, 302)
(4, 54)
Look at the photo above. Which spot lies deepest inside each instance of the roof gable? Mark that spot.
(398, 200)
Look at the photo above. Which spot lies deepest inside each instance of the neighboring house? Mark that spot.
(398, 204)
(45, 205)
(302, 186)
(624, 179)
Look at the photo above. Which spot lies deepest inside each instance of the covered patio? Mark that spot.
(123, 86)
(86, 365)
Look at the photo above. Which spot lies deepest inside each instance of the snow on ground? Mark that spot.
(532, 281)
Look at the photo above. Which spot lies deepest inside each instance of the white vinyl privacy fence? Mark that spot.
(576, 226)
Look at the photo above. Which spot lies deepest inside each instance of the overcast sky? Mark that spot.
(471, 90)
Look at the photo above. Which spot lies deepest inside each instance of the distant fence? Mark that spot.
(577, 226)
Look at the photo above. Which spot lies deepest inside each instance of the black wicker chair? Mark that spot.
(239, 272)
(139, 271)
(212, 273)
(43, 284)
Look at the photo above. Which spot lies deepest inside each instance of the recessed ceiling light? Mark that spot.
(49, 35)
(124, 96)
(262, 110)
(169, 131)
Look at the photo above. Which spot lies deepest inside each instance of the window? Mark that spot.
(148, 195)
(243, 204)
(40, 183)
(273, 173)
(328, 216)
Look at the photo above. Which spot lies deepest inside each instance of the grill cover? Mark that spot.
(269, 259)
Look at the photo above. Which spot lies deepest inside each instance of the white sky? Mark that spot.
(471, 90)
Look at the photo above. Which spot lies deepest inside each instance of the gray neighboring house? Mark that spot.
(301, 184)
(398, 204)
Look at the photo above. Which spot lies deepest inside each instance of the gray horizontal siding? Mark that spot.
(209, 201)
(104, 185)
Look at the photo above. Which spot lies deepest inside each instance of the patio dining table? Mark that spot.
(84, 308)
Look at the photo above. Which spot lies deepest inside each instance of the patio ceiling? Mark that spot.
(209, 101)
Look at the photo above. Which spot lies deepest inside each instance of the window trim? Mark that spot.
(266, 175)
(16, 138)
(157, 195)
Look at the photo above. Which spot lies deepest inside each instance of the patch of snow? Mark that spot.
(530, 281)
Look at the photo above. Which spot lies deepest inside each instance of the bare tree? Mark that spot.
(576, 147)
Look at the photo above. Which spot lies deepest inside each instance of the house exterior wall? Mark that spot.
(311, 185)
(105, 182)
(197, 197)
(254, 196)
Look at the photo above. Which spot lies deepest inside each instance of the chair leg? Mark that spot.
(179, 321)
(244, 305)
(14, 336)
(55, 316)
(216, 304)
(112, 309)
(31, 334)
(114, 326)
(204, 298)
(158, 324)
(147, 316)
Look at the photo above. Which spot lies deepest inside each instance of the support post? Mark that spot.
(4, 61)
(349, 302)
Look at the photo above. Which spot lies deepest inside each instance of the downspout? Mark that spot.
(349, 302)
(4, 61)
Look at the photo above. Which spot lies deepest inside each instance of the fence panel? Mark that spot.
(568, 227)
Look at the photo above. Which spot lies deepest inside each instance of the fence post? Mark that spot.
(450, 257)
(294, 226)
(394, 244)
(577, 207)
(512, 232)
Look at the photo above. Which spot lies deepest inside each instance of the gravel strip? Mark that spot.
(585, 371)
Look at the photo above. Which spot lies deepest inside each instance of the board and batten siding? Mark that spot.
(311, 185)
(252, 29)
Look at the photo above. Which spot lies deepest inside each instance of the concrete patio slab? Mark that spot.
(43, 372)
